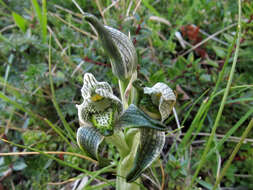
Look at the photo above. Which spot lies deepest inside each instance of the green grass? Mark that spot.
(219, 114)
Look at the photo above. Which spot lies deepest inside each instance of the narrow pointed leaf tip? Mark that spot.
(118, 46)
(163, 97)
(100, 106)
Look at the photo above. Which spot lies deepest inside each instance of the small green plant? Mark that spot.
(134, 124)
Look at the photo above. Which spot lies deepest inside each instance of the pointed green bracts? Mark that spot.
(150, 147)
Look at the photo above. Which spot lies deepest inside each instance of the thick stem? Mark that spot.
(122, 171)
(119, 142)
(125, 165)
(122, 88)
(127, 150)
(127, 156)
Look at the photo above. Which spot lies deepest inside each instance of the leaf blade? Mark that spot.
(133, 117)
(151, 144)
(20, 21)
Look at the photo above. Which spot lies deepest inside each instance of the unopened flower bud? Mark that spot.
(119, 47)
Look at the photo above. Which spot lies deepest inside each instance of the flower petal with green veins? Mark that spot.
(150, 147)
(119, 47)
(163, 97)
(89, 139)
(133, 117)
(90, 84)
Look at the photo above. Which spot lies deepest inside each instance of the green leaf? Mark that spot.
(212, 63)
(151, 8)
(228, 37)
(130, 136)
(42, 17)
(158, 76)
(205, 78)
(150, 147)
(133, 117)
(220, 52)
(20, 21)
(204, 184)
(37, 10)
(19, 165)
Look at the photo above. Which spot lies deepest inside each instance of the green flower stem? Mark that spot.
(127, 155)
(122, 87)
(125, 166)
(123, 169)
(119, 142)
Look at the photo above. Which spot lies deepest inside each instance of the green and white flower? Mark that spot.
(101, 114)
(163, 97)
(100, 106)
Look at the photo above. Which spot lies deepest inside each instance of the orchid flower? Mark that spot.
(136, 126)
(101, 113)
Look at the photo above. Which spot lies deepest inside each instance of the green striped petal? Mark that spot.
(91, 85)
(89, 139)
(118, 46)
(133, 117)
(150, 147)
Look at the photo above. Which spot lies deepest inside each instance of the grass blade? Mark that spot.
(42, 17)
(232, 156)
(37, 10)
(71, 133)
(203, 157)
(227, 135)
(44, 21)
(20, 21)
(64, 163)
(19, 106)
(58, 131)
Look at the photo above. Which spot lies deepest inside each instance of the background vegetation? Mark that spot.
(37, 103)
